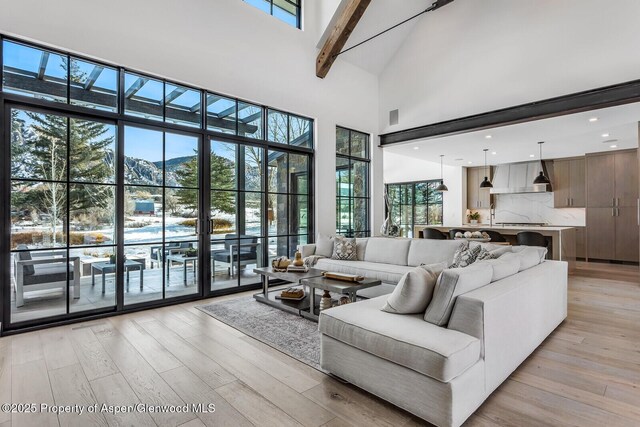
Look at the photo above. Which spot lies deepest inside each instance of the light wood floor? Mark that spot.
(587, 373)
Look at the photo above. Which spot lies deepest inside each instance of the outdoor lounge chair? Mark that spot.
(36, 271)
(239, 250)
(158, 255)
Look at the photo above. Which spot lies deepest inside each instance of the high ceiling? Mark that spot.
(374, 55)
(565, 136)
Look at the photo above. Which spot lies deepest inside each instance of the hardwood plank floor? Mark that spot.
(587, 373)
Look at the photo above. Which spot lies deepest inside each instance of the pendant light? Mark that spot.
(486, 183)
(440, 188)
(541, 178)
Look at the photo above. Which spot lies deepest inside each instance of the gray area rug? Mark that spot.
(286, 332)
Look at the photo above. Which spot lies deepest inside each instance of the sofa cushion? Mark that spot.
(409, 341)
(430, 251)
(361, 247)
(454, 282)
(27, 270)
(324, 246)
(414, 290)
(530, 256)
(388, 273)
(387, 250)
(344, 248)
(505, 266)
(49, 273)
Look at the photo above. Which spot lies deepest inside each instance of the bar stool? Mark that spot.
(531, 238)
(494, 235)
(432, 233)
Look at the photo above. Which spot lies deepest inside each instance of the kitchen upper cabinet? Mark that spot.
(626, 178)
(600, 180)
(569, 183)
(477, 198)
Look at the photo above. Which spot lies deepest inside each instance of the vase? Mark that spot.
(298, 260)
(325, 302)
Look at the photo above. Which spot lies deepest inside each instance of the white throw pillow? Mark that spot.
(344, 248)
(451, 283)
(531, 256)
(324, 246)
(413, 292)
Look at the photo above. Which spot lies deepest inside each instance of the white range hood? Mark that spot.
(514, 178)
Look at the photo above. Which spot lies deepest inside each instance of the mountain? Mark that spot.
(144, 172)
(172, 165)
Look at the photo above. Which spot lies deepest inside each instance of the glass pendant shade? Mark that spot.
(441, 188)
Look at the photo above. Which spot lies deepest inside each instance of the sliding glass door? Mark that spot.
(161, 205)
(63, 214)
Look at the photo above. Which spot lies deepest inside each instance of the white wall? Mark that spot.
(399, 168)
(226, 46)
(475, 56)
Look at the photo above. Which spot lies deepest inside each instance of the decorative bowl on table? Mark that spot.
(280, 264)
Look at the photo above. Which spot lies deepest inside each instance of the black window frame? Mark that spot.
(350, 159)
(14, 100)
(412, 185)
(297, 4)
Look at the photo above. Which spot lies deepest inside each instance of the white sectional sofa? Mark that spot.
(440, 373)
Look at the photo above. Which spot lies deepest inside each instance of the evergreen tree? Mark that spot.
(222, 175)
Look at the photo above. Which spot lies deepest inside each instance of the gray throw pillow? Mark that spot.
(344, 249)
(413, 292)
(451, 283)
(465, 255)
(324, 246)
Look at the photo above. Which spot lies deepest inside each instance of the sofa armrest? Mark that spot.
(307, 250)
(515, 315)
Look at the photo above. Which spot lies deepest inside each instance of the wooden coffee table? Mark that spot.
(311, 280)
(269, 297)
(336, 286)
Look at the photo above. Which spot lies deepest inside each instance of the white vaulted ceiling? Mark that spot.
(374, 55)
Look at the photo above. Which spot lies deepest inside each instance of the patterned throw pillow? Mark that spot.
(485, 254)
(465, 255)
(344, 249)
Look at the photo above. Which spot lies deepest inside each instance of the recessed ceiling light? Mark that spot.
(469, 162)
(493, 152)
(532, 155)
(416, 148)
(459, 160)
(605, 135)
(593, 119)
(613, 146)
(610, 141)
(488, 136)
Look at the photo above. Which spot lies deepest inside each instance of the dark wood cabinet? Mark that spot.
(581, 243)
(569, 183)
(601, 233)
(600, 180)
(612, 206)
(478, 198)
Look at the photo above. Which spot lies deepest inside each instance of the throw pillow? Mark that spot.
(344, 249)
(531, 256)
(413, 292)
(324, 246)
(451, 283)
(465, 255)
(485, 254)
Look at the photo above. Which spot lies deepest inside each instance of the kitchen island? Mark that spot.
(562, 240)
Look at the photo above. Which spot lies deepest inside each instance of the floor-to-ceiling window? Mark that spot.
(113, 203)
(414, 204)
(352, 183)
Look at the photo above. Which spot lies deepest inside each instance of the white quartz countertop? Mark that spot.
(509, 227)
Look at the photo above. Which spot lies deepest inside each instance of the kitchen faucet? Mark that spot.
(492, 215)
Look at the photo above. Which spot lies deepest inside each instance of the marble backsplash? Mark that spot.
(535, 207)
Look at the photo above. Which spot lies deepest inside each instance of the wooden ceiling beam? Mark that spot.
(345, 25)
